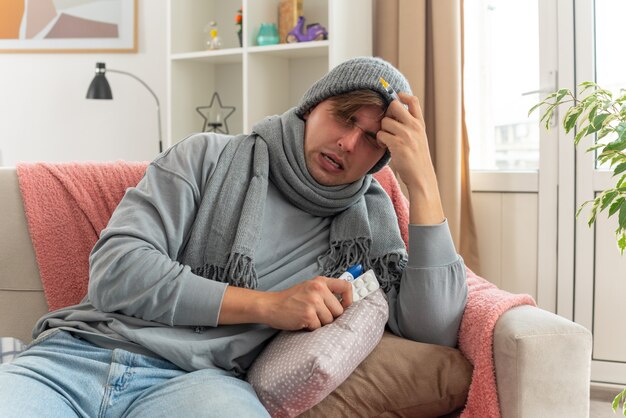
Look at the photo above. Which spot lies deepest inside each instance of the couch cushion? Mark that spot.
(15, 243)
(22, 300)
(401, 378)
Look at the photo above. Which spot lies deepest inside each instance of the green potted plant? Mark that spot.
(598, 111)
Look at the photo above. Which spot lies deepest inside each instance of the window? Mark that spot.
(609, 60)
(501, 83)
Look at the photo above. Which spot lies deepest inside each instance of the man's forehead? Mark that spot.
(370, 113)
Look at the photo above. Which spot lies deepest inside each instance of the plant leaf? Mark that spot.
(615, 206)
(616, 159)
(548, 116)
(580, 134)
(550, 96)
(621, 243)
(617, 399)
(621, 130)
(570, 118)
(606, 129)
(598, 122)
(619, 169)
(587, 85)
(617, 145)
(594, 212)
(622, 215)
(594, 147)
(580, 208)
(532, 109)
(560, 94)
(593, 109)
(605, 155)
(607, 198)
(589, 100)
(607, 93)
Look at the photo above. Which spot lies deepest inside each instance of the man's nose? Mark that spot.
(349, 140)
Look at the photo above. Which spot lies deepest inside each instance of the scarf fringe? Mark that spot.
(388, 269)
(343, 254)
(238, 271)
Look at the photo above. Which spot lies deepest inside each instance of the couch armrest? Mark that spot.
(543, 364)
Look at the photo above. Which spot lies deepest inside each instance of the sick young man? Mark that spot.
(227, 240)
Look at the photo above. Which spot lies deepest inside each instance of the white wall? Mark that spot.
(44, 115)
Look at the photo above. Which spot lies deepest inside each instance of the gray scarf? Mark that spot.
(225, 234)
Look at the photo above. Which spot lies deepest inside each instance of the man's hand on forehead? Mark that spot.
(403, 131)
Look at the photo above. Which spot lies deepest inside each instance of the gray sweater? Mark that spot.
(142, 299)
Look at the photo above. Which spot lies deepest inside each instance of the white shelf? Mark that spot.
(235, 55)
(298, 50)
(257, 80)
(221, 56)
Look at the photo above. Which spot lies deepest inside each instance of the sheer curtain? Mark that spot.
(424, 40)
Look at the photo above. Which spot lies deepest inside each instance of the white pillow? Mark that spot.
(300, 368)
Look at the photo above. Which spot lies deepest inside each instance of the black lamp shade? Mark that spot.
(99, 88)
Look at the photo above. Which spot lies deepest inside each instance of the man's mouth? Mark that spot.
(334, 163)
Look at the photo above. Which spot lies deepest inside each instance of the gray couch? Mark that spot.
(542, 360)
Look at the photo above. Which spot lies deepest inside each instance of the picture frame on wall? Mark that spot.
(71, 26)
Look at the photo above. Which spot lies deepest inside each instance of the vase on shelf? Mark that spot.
(268, 34)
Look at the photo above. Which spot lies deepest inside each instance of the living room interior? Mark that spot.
(512, 187)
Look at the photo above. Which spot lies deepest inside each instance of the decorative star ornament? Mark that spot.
(214, 116)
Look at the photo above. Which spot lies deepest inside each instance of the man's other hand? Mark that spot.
(307, 305)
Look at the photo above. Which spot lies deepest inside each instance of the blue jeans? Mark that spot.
(65, 376)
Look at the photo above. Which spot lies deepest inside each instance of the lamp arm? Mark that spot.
(158, 105)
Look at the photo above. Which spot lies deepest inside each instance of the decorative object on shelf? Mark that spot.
(215, 116)
(101, 90)
(213, 40)
(288, 13)
(268, 34)
(239, 24)
(312, 32)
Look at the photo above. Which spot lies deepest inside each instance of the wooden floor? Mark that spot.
(601, 399)
(600, 405)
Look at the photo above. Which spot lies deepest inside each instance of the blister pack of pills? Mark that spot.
(364, 285)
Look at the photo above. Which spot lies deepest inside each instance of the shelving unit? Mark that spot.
(257, 80)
